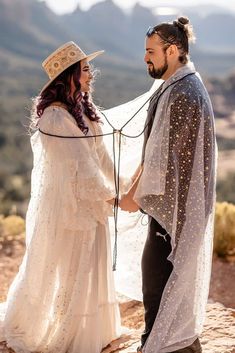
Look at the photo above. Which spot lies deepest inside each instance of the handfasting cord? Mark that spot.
(117, 189)
(117, 160)
(115, 205)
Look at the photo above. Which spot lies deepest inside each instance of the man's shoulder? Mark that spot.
(190, 88)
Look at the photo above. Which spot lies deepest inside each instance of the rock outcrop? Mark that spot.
(218, 335)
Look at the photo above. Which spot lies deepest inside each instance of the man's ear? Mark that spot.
(172, 50)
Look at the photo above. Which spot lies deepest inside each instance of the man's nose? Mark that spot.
(146, 57)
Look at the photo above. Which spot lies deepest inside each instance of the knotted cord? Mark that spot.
(117, 159)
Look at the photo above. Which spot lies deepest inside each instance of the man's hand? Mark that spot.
(128, 204)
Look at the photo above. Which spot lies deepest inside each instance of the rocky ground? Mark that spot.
(218, 335)
(219, 330)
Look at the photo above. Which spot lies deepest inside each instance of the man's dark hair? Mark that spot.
(180, 33)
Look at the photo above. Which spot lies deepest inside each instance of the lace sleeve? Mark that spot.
(73, 155)
(67, 173)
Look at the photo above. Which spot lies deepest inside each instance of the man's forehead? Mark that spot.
(153, 41)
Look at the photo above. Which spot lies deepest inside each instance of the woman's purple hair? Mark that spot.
(60, 91)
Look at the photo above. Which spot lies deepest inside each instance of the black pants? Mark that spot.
(156, 270)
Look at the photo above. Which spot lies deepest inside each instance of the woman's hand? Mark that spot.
(111, 201)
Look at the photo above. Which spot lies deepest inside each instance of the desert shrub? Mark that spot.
(225, 189)
(14, 192)
(224, 235)
(11, 227)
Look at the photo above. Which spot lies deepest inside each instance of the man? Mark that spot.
(175, 186)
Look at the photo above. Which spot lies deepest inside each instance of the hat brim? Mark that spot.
(87, 57)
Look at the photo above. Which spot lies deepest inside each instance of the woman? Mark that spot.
(63, 298)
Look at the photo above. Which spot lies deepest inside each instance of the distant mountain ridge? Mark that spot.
(213, 29)
(30, 29)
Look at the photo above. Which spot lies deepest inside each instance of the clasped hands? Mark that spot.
(126, 203)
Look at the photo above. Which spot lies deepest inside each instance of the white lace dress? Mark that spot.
(63, 300)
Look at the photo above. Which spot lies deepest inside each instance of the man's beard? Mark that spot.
(157, 73)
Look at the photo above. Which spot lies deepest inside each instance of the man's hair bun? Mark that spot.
(181, 22)
(184, 24)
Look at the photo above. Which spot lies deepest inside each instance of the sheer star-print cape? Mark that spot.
(177, 188)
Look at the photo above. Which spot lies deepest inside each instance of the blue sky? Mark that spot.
(69, 5)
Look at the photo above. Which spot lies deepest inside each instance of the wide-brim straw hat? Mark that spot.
(62, 58)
